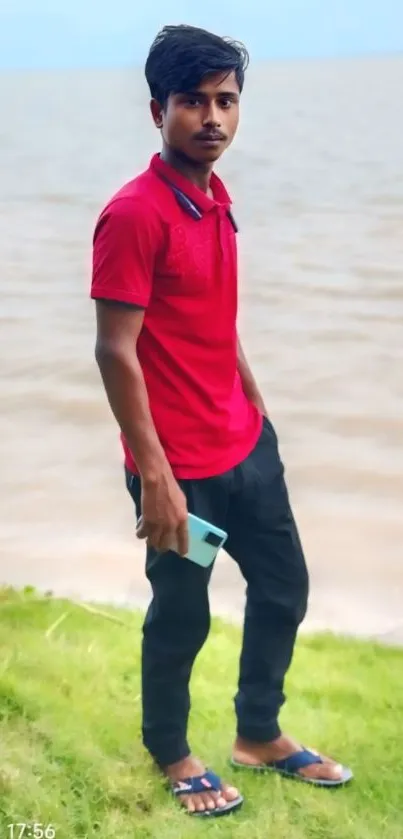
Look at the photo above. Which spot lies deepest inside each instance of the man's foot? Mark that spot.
(255, 754)
(209, 800)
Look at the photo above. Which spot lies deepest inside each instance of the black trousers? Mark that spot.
(251, 503)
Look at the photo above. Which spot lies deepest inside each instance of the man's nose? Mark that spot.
(212, 116)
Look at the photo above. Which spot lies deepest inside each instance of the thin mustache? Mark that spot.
(210, 135)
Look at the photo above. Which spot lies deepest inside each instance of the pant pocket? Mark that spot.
(269, 428)
(133, 485)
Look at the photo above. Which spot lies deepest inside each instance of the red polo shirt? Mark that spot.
(150, 252)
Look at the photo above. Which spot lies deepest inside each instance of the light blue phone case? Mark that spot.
(205, 540)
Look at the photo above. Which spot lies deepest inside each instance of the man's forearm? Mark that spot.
(249, 384)
(127, 395)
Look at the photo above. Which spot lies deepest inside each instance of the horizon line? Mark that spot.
(137, 65)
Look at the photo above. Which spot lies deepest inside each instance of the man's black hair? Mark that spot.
(181, 56)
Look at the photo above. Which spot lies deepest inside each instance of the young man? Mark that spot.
(195, 430)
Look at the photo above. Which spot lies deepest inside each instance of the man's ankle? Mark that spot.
(187, 767)
(256, 743)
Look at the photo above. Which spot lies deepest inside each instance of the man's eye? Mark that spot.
(225, 103)
(192, 101)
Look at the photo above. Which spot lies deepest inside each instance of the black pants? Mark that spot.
(250, 502)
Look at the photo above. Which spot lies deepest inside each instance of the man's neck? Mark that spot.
(197, 174)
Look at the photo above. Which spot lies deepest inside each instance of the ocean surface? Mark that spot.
(316, 176)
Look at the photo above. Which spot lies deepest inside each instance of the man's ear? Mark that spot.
(156, 113)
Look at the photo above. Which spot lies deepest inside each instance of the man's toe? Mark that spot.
(208, 800)
(324, 771)
(336, 770)
(230, 793)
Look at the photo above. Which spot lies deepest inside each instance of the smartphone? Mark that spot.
(205, 540)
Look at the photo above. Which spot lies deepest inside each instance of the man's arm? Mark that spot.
(249, 385)
(164, 508)
(118, 328)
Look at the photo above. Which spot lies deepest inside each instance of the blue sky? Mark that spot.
(118, 32)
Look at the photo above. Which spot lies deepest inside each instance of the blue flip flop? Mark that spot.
(290, 767)
(204, 783)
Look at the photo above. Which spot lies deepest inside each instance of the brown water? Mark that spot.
(316, 175)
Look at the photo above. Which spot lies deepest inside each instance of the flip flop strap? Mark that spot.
(297, 761)
(196, 784)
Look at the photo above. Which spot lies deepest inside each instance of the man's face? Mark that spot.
(200, 124)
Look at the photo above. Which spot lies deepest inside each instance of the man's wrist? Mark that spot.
(152, 471)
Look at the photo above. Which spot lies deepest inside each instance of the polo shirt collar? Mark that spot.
(199, 198)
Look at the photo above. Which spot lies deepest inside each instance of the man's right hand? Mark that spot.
(164, 520)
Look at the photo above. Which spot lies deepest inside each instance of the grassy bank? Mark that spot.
(70, 752)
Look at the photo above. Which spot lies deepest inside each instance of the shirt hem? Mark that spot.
(198, 473)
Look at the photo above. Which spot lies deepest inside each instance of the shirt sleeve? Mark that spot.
(126, 240)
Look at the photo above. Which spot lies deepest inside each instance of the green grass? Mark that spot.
(70, 749)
